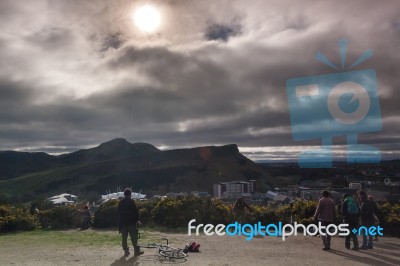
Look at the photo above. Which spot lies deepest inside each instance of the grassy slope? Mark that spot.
(72, 238)
(179, 170)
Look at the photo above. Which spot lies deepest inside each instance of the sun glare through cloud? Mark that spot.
(147, 18)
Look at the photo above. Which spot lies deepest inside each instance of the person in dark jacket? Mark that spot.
(367, 218)
(86, 217)
(350, 213)
(376, 211)
(128, 219)
(239, 210)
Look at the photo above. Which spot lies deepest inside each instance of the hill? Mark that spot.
(118, 163)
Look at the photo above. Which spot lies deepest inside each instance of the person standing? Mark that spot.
(239, 210)
(86, 217)
(128, 219)
(325, 214)
(350, 213)
(367, 218)
(376, 211)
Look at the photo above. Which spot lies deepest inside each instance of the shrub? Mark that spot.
(62, 217)
(16, 218)
(106, 215)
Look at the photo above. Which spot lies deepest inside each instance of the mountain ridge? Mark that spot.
(119, 163)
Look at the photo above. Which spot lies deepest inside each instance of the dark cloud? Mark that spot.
(114, 41)
(221, 32)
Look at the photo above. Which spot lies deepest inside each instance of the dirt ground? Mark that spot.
(215, 250)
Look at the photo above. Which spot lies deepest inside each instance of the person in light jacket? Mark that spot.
(325, 214)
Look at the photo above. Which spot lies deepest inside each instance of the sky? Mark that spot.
(76, 73)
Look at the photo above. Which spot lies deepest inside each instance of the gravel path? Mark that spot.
(215, 250)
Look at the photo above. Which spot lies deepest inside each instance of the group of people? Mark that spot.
(354, 213)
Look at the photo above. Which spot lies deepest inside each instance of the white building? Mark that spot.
(234, 188)
(120, 195)
(63, 199)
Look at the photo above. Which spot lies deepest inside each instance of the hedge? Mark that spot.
(14, 218)
(177, 212)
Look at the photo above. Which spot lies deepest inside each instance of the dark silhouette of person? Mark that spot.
(350, 212)
(376, 212)
(128, 220)
(239, 210)
(86, 217)
(367, 218)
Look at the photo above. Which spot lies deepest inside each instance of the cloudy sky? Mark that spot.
(76, 73)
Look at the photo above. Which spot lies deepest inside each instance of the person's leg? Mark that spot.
(347, 241)
(355, 242)
(133, 233)
(83, 224)
(365, 241)
(324, 236)
(328, 238)
(370, 241)
(353, 236)
(239, 216)
(124, 233)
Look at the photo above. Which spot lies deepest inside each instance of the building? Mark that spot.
(120, 195)
(282, 199)
(355, 185)
(271, 195)
(362, 185)
(234, 188)
(63, 199)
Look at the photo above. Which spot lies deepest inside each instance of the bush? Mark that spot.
(177, 212)
(16, 218)
(389, 217)
(62, 217)
(106, 215)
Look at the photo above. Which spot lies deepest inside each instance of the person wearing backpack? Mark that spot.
(350, 213)
(367, 218)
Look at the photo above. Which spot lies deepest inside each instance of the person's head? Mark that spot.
(370, 197)
(127, 192)
(362, 195)
(325, 193)
(86, 207)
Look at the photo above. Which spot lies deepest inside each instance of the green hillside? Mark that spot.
(118, 163)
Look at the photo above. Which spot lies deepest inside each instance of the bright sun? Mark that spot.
(147, 18)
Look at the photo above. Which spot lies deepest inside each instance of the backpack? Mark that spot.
(192, 247)
(352, 207)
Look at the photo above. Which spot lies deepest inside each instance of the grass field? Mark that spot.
(70, 237)
(78, 237)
